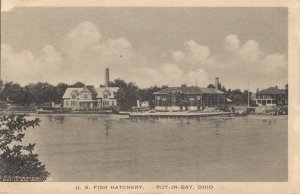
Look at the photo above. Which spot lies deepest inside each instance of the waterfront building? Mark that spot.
(271, 96)
(142, 104)
(188, 98)
(89, 97)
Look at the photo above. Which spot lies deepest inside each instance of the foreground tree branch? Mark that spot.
(18, 162)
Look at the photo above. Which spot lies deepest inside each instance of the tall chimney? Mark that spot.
(107, 77)
(217, 83)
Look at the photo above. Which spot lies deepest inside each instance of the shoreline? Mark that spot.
(177, 114)
(158, 115)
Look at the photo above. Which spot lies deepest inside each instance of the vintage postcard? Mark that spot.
(149, 97)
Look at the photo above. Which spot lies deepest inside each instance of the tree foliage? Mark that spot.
(77, 85)
(237, 96)
(37, 93)
(286, 89)
(146, 94)
(12, 92)
(40, 93)
(211, 86)
(18, 162)
(127, 95)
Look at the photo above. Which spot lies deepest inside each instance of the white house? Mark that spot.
(89, 97)
(106, 96)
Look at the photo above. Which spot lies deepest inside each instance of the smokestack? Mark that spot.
(217, 83)
(107, 77)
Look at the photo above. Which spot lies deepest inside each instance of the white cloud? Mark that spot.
(237, 64)
(24, 67)
(172, 74)
(196, 55)
(198, 76)
(18, 66)
(250, 51)
(194, 61)
(84, 34)
(275, 65)
(50, 59)
(178, 56)
(248, 62)
(83, 55)
(232, 43)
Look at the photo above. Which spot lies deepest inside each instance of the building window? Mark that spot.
(85, 96)
(67, 104)
(192, 103)
(157, 102)
(74, 96)
(105, 103)
(105, 96)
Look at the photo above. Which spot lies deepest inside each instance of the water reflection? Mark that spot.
(205, 149)
(269, 122)
(93, 118)
(60, 119)
(108, 126)
(218, 123)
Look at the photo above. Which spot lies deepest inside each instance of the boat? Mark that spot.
(44, 111)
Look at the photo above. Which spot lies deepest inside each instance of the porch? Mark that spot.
(266, 102)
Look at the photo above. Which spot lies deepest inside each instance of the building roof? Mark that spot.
(68, 92)
(92, 89)
(211, 91)
(97, 91)
(271, 90)
(190, 90)
(111, 90)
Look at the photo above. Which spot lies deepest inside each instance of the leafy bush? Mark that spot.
(223, 108)
(18, 162)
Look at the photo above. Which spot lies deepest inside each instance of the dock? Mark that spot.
(176, 114)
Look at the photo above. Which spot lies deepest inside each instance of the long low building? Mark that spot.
(188, 98)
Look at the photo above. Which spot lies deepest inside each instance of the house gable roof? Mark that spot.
(85, 90)
(271, 90)
(89, 89)
(190, 90)
(211, 91)
(68, 92)
(92, 89)
(101, 90)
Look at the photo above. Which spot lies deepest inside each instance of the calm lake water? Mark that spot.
(112, 148)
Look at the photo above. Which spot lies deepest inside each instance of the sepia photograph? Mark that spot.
(144, 94)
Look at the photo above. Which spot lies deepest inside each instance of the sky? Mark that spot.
(147, 46)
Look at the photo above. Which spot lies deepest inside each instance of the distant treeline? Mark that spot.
(127, 96)
(42, 93)
(38, 93)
